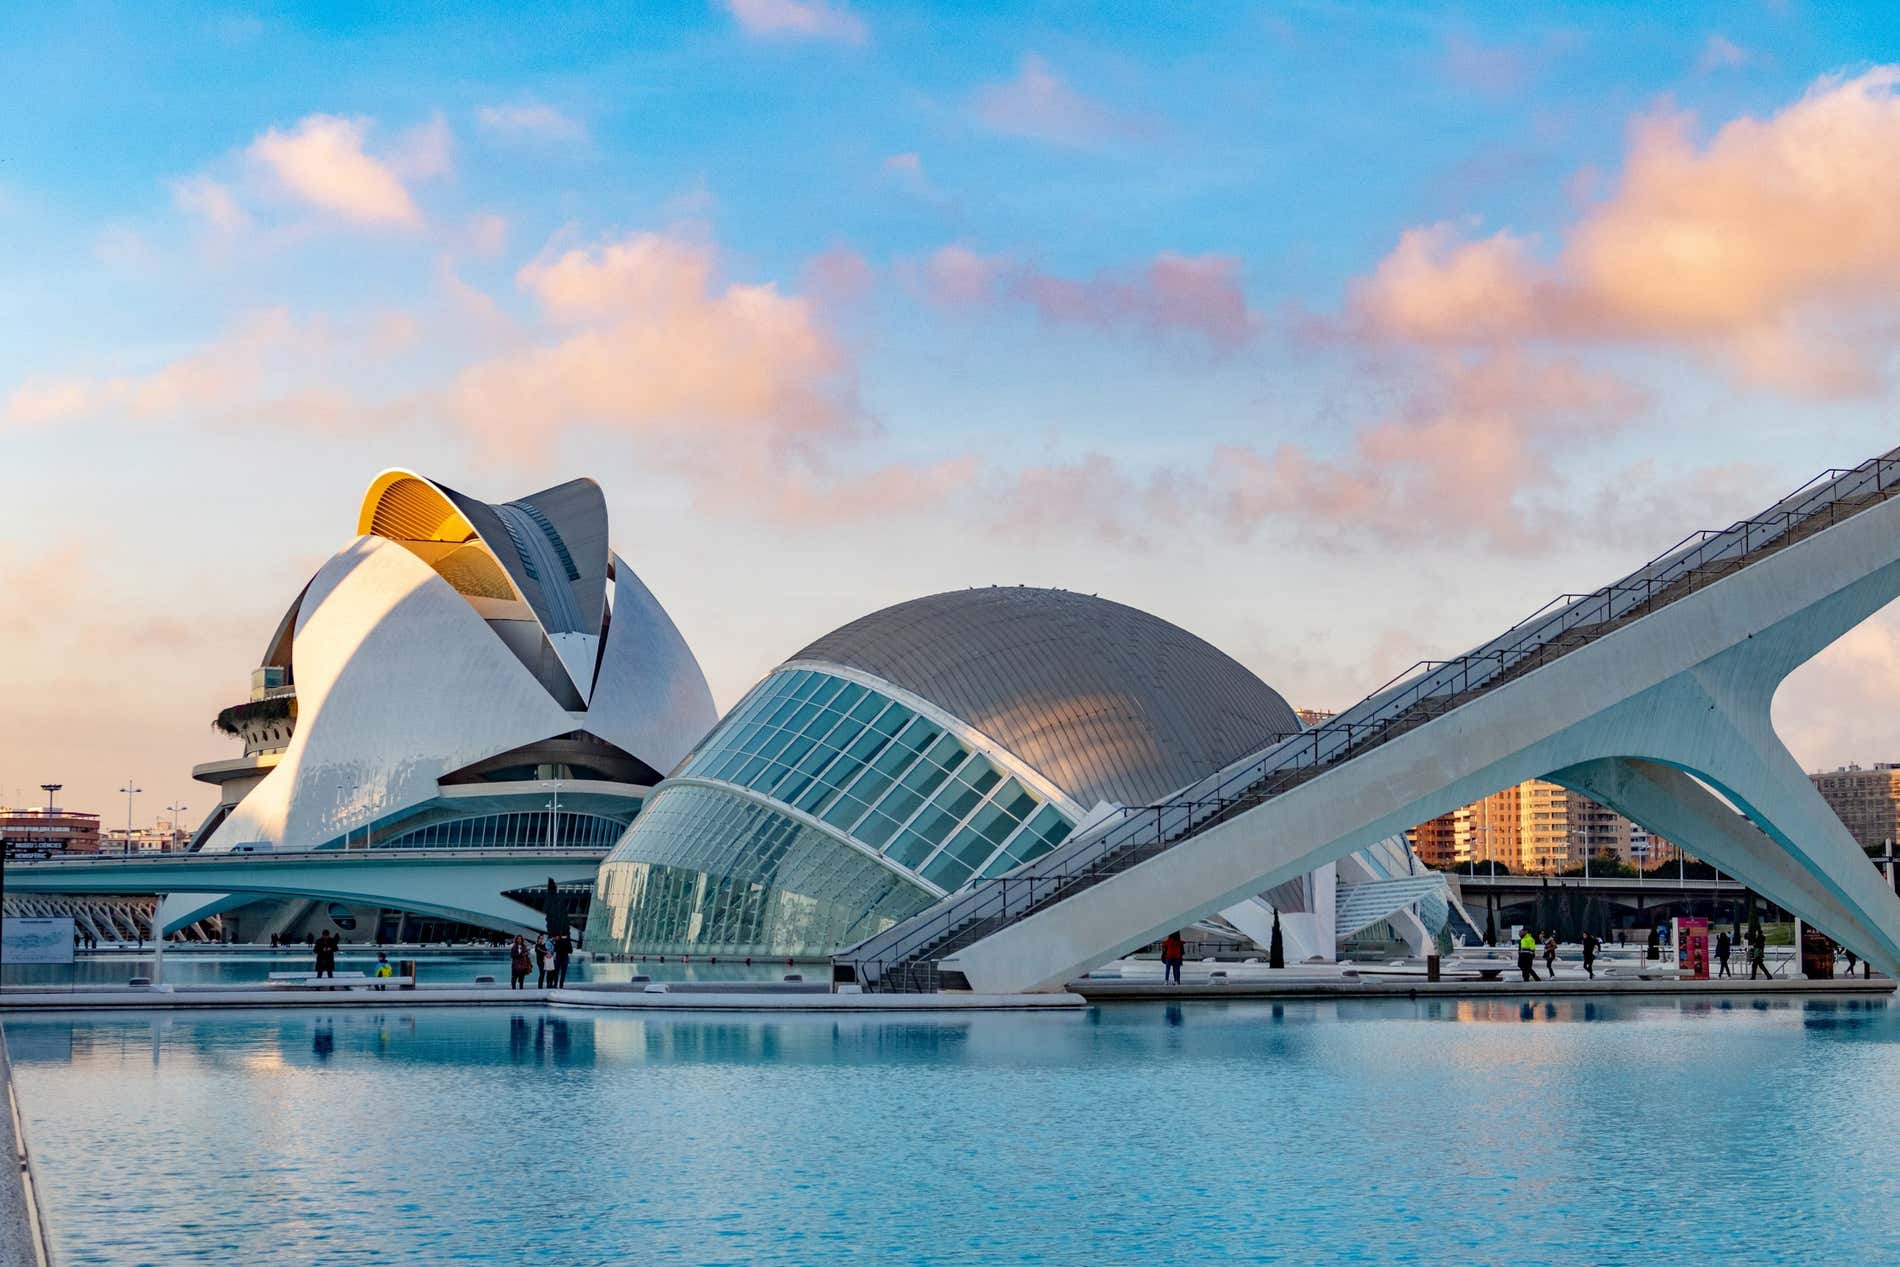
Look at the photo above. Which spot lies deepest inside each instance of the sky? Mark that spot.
(1342, 335)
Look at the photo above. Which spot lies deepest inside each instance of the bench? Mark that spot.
(342, 980)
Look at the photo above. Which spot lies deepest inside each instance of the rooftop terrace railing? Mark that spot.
(904, 957)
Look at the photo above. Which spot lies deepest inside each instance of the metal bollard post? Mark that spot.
(1431, 966)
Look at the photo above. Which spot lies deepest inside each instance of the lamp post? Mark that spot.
(175, 811)
(130, 792)
(554, 817)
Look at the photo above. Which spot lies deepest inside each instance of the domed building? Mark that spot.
(915, 751)
(459, 674)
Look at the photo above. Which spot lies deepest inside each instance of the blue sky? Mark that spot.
(1339, 334)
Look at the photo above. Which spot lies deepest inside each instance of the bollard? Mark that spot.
(1431, 967)
(405, 974)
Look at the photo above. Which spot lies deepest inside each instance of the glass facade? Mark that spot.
(707, 870)
(719, 873)
(881, 773)
(530, 829)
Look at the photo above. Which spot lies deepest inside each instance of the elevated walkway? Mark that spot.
(1623, 693)
(467, 885)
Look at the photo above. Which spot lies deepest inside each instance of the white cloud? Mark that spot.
(798, 20)
(322, 162)
(210, 201)
(1041, 104)
(529, 120)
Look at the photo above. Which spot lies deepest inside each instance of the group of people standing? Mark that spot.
(547, 957)
(1527, 955)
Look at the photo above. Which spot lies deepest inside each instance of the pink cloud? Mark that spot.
(211, 201)
(1093, 498)
(839, 276)
(959, 277)
(322, 162)
(1040, 104)
(268, 369)
(654, 345)
(1458, 459)
(1721, 53)
(798, 20)
(1193, 294)
(1774, 247)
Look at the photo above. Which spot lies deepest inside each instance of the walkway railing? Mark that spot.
(288, 857)
(904, 957)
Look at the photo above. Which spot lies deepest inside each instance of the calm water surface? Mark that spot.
(1426, 1132)
(213, 967)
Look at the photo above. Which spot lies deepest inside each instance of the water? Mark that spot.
(236, 967)
(1486, 1132)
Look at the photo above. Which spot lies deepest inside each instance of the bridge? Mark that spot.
(468, 885)
(1651, 695)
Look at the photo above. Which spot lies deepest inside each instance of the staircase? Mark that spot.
(906, 957)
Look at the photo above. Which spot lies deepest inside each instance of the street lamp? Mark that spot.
(554, 817)
(130, 792)
(175, 811)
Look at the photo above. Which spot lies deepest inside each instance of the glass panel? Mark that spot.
(844, 811)
(869, 707)
(911, 848)
(1017, 800)
(993, 823)
(970, 847)
(978, 774)
(947, 871)
(958, 799)
(875, 829)
(828, 689)
(902, 802)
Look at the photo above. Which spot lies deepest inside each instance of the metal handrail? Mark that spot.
(1553, 630)
(170, 857)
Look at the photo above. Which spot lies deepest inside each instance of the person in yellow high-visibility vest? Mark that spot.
(1527, 956)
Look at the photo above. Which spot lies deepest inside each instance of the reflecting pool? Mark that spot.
(1390, 1131)
(235, 967)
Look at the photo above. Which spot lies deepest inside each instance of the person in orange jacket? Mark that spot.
(1173, 951)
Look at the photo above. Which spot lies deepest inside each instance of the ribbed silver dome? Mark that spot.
(1106, 701)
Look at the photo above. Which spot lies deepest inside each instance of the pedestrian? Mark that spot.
(1852, 959)
(1758, 955)
(1173, 951)
(517, 963)
(563, 951)
(547, 964)
(1550, 955)
(383, 971)
(1527, 956)
(1722, 946)
(1590, 954)
(539, 951)
(325, 947)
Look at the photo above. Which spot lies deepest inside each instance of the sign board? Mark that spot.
(36, 940)
(1817, 954)
(1692, 948)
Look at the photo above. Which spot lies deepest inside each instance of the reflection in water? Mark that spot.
(1445, 1128)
